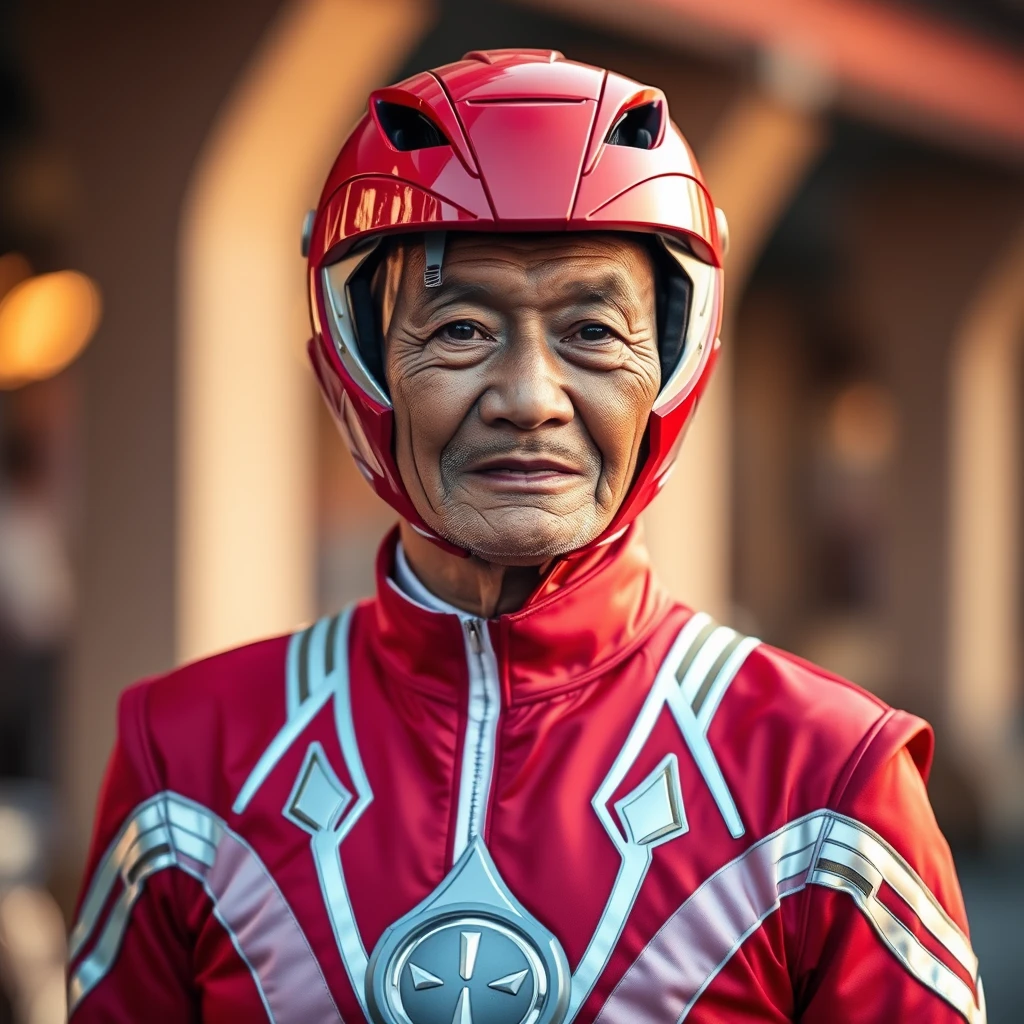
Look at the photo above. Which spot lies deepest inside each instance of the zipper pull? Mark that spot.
(473, 629)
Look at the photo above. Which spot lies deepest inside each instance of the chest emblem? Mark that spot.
(469, 954)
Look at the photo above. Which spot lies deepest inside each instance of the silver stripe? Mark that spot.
(190, 845)
(291, 674)
(708, 765)
(145, 831)
(278, 747)
(300, 713)
(723, 679)
(318, 654)
(852, 860)
(244, 957)
(246, 901)
(695, 730)
(255, 911)
(907, 948)
(196, 819)
(326, 844)
(94, 967)
(636, 859)
(907, 884)
(147, 816)
(705, 660)
(793, 865)
(699, 939)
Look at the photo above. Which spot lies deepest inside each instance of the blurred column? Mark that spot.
(986, 611)
(247, 426)
(754, 162)
(126, 94)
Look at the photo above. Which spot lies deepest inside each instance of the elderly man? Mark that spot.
(521, 785)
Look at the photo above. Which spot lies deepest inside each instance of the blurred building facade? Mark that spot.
(851, 489)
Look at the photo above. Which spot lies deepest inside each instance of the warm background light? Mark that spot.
(45, 322)
(862, 425)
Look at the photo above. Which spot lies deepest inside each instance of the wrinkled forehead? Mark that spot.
(611, 264)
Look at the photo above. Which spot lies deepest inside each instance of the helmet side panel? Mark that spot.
(375, 205)
(669, 203)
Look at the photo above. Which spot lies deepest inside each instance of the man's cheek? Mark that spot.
(430, 439)
(612, 429)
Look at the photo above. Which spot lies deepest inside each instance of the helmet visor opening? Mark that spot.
(684, 289)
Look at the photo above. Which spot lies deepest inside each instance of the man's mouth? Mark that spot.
(523, 464)
(525, 473)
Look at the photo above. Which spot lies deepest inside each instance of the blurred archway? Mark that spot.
(246, 415)
(986, 692)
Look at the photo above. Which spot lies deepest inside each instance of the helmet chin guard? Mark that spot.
(443, 151)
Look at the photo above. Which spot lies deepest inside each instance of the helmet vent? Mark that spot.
(407, 129)
(638, 127)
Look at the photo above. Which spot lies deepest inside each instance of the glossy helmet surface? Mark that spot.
(517, 141)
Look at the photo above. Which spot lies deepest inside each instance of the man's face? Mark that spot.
(521, 387)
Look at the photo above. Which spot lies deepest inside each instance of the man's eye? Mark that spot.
(460, 330)
(595, 332)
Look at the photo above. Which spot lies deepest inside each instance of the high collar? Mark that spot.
(416, 590)
(588, 613)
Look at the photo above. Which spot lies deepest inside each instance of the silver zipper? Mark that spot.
(481, 727)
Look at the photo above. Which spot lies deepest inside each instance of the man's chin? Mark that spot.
(524, 537)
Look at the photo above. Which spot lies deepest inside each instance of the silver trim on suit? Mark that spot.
(313, 655)
(320, 803)
(483, 712)
(856, 860)
(169, 830)
(691, 682)
(666, 980)
(699, 939)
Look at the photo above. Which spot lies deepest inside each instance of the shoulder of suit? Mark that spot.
(765, 710)
(837, 730)
(198, 709)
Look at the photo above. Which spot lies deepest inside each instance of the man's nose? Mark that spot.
(527, 389)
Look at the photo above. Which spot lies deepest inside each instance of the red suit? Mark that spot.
(602, 807)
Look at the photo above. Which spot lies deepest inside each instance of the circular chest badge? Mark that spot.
(469, 954)
(467, 969)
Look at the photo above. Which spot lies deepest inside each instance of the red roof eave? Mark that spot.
(887, 62)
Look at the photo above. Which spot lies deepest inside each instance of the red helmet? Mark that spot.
(511, 140)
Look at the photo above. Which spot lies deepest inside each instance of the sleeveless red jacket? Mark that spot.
(603, 807)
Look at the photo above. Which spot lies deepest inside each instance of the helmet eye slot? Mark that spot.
(637, 128)
(407, 129)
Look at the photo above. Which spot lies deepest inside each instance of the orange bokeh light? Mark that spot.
(45, 322)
